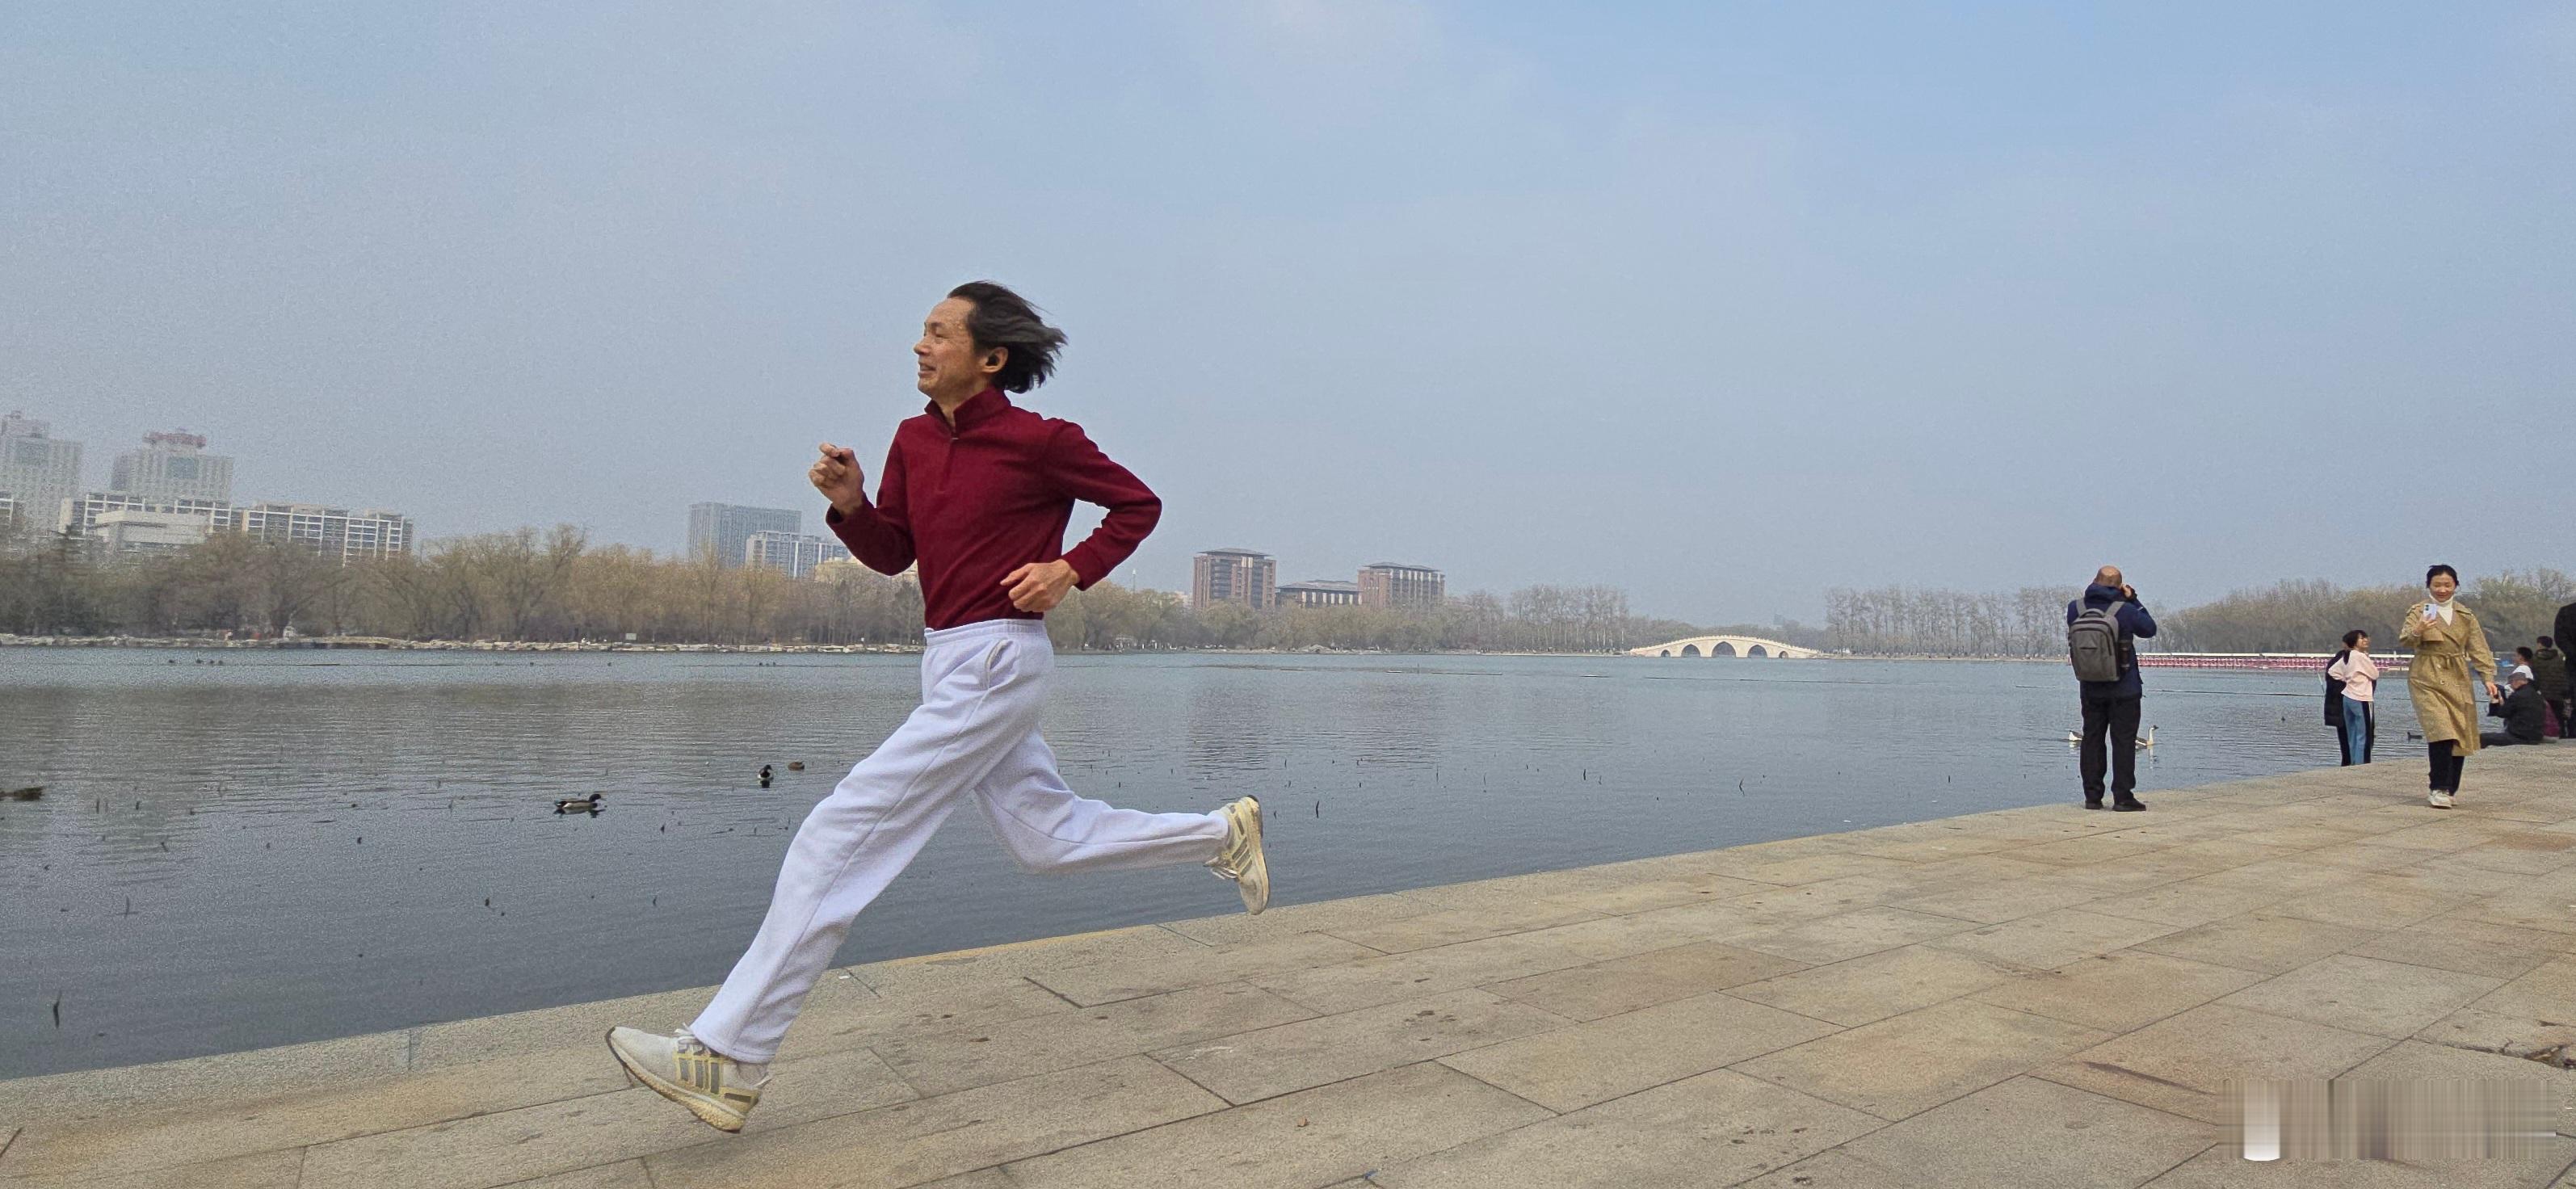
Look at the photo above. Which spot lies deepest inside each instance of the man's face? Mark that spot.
(946, 361)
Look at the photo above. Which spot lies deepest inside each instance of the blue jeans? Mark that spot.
(2356, 732)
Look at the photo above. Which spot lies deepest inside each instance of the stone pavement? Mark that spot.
(2041, 997)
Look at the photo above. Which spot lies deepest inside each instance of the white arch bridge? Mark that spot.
(1726, 646)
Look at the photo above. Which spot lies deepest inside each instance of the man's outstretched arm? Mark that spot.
(880, 534)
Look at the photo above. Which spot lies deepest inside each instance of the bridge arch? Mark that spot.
(1727, 646)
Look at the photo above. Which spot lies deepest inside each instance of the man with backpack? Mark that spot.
(2101, 630)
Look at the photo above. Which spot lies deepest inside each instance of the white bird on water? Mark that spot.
(2144, 741)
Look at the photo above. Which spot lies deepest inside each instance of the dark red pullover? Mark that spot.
(974, 502)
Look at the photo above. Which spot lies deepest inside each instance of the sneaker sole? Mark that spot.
(707, 1113)
(1255, 884)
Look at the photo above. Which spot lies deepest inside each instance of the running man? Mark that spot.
(978, 491)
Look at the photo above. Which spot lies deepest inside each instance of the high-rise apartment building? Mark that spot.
(37, 471)
(725, 530)
(793, 554)
(1320, 592)
(1395, 584)
(1241, 576)
(82, 516)
(335, 532)
(172, 467)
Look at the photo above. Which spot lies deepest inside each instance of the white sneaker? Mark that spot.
(2438, 799)
(716, 1088)
(1240, 859)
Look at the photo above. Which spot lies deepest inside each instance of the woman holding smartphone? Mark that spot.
(2448, 645)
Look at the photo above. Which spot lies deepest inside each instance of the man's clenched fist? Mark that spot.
(837, 476)
(1039, 586)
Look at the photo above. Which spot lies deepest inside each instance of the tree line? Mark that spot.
(555, 586)
(2298, 615)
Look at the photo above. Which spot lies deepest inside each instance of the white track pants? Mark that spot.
(975, 733)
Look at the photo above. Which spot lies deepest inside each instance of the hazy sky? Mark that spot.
(1725, 304)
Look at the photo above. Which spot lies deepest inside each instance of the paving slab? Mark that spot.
(958, 1058)
(1910, 1063)
(2270, 944)
(1248, 1066)
(2056, 938)
(1309, 1138)
(915, 1143)
(1451, 926)
(1112, 982)
(214, 1130)
(1714, 1129)
(2390, 999)
(1875, 986)
(1652, 894)
(1567, 1069)
(513, 1145)
(1369, 982)
(2182, 1064)
(1285, 920)
(2119, 992)
(2021, 1134)
(1619, 985)
(2006, 900)
(261, 1170)
(1849, 934)
(2023, 996)
(625, 1174)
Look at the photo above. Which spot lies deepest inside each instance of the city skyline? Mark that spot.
(1726, 305)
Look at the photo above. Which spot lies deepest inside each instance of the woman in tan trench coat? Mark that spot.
(2448, 644)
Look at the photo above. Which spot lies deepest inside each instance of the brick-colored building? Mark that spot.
(1396, 584)
(1241, 576)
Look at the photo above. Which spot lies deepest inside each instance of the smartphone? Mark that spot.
(2428, 612)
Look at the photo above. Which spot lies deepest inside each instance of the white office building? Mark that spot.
(172, 467)
(796, 555)
(37, 471)
(724, 530)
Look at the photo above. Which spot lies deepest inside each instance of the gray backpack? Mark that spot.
(2093, 643)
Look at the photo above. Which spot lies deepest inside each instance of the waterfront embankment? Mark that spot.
(2037, 996)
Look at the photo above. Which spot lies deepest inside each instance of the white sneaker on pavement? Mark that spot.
(717, 1089)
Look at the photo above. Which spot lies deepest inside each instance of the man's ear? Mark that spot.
(995, 358)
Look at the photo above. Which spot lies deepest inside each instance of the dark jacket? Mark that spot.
(2549, 672)
(2334, 689)
(2522, 713)
(2135, 623)
(2566, 624)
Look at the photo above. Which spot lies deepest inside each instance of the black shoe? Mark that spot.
(2127, 805)
(2092, 802)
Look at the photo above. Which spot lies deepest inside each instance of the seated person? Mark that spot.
(2523, 712)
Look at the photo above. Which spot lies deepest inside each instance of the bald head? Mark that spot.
(2108, 576)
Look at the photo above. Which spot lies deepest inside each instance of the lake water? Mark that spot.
(298, 845)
